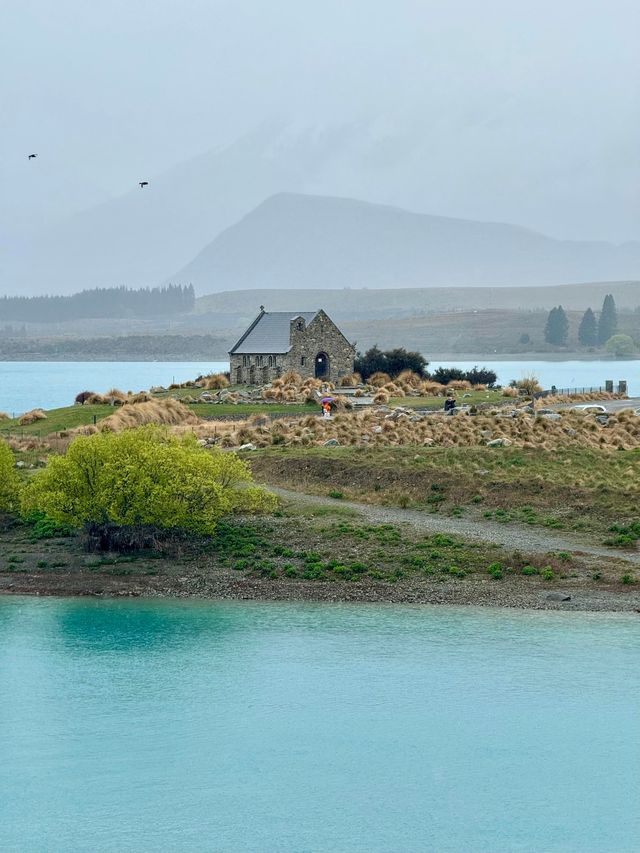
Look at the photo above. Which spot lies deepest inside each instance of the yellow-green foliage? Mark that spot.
(144, 476)
(9, 482)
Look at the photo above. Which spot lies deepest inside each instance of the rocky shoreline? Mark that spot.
(226, 585)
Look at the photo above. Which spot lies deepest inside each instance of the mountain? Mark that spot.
(140, 238)
(306, 241)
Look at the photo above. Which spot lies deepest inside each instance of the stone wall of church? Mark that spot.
(320, 338)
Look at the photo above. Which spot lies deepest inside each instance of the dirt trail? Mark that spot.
(510, 536)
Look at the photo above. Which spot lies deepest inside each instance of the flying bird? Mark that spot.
(32, 156)
(144, 184)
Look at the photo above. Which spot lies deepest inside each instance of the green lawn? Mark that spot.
(57, 420)
(474, 399)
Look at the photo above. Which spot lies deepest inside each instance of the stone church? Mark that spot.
(278, 341)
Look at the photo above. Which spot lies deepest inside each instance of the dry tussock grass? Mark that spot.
(214, 382)
(169, 412)
(31, 417)
(378, 379)
(351, 381)
(373, 428)
(4, 416)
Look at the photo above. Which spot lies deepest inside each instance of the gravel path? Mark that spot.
(514, 537)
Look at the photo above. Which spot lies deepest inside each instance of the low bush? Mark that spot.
(139, 480)
(9, 481)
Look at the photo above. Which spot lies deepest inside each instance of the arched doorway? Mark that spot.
(322, 366)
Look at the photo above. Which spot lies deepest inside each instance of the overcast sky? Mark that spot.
(526, 112)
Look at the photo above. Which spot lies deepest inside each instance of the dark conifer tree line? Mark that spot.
(101, 303)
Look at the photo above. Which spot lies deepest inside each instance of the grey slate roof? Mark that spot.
(269, 333)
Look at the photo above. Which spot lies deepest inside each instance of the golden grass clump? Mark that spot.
(140, 397)
(382, 398)
(4, 416)
(170, 412)
(116, 394)
(350, 381)
(459, 385)
(379, 379)
(408, 379)
(291, 378)
(510, 392)
(31, 417)
(431, 388)
(215, 381)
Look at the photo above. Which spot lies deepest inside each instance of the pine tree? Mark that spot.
(608, 323)
(556, 330)
(588, 331)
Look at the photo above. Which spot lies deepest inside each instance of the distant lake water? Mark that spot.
(235, 727)
(27, 384)
(50, 385)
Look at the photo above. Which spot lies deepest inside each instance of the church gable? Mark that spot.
(308, 342)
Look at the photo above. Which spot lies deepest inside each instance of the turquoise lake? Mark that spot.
(163, 726)
(27, 384)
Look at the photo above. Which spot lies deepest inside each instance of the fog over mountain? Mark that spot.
(498, 112)
(302, 241)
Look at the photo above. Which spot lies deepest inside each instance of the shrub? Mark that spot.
(495, 570)
(627, 579)
(9, 481)
(143, 477)
(83, 396)
(43, 527)
(392, 362)
(547, 574)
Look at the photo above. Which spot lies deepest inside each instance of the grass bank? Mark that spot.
(582, 490)
(321, 553)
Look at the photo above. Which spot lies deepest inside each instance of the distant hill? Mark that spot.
(304, 241)
(237, 308)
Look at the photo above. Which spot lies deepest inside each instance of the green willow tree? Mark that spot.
(588, 330)
(9, 481)
(143, 477)
(608, 322)
(556, 330)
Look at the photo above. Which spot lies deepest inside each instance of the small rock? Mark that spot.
(202, 442)
(249, 446)
(602, 419)
(500, 442)
(331, 442)
(21, 464)
(377, 429)
(558, 596)
(551, 416)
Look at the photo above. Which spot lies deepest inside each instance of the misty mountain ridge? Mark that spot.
(306, 241)
(140, 238)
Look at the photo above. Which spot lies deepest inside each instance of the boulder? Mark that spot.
(551, 416)
(330, 442)
(248, 446)
(500, 442)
